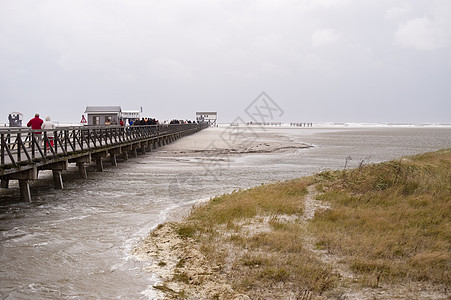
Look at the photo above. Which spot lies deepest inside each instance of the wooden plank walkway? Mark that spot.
(23, 152)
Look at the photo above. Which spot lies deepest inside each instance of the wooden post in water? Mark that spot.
(25, 193)
(124, 152)
(98, 157)
(99, 164)
(82, 170)
(113, 159)
(58, 179)
(57, 171)
(81, 164)
(143, 148)
(24, 178)
(134, 152)
(5, 182)
(113, 155)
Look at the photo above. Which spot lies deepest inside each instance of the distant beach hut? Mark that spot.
(210, 117)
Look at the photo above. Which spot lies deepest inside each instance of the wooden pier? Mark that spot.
(24, 152)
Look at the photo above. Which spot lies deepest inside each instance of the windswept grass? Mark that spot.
(272, 199)
(390, 221)
(232, 233)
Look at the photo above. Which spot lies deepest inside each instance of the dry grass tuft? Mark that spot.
(391, 221)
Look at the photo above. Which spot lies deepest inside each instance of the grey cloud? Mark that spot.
(319, 60)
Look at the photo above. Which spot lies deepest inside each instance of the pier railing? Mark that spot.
(23, 146)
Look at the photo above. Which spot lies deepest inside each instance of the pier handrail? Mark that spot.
(20, 146)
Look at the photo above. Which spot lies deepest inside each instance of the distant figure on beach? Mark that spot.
(48, 124)
(36, 123)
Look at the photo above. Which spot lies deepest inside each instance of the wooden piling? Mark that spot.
(99, 164)
(82, 170)
(5, 183)
(25, 193)
(125, 155)
(113, 159)
(58, 179)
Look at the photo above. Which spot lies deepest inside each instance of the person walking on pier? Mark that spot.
(36, 123)
(48, 124)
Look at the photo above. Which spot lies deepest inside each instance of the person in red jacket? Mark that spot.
(36, 123)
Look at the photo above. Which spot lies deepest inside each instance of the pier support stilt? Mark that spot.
(99, 164)
(24, 178)
(58, 179)
(25, 193)
(81, 164)
(125, 155)
(82, 170)
(113, 159)
(98, 157)
(5, 183)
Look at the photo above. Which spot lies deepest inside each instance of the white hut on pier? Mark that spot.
(98, 115)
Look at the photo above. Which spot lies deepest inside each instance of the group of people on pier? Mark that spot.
(302, 124)
(143, 121)
(175, 121)
(148, 121)
(265, 123)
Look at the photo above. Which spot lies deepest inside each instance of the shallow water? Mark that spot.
(75, 243)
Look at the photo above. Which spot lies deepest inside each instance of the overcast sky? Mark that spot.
(318, 60)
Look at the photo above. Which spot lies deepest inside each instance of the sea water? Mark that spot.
(76, 243)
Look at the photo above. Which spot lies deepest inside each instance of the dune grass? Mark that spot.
(388, 222)
(227, 229)
(266, 199)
